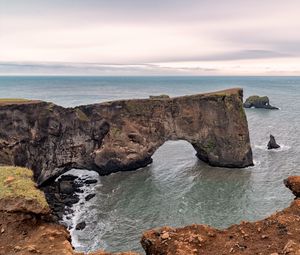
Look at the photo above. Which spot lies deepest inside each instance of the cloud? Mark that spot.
(11, 68)
(129, 35)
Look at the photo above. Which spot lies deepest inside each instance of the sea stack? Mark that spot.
(272, 143)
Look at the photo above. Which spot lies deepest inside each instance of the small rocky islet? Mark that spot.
(262, 102)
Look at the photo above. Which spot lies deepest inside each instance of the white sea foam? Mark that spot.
(265, 148)
(72, 219)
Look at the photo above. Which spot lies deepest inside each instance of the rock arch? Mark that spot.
(122, 135)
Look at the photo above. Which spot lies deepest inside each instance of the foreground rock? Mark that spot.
(293, 183)
(122, 135)
(277, 234)
(259, 102)
(30, 228)
(272, 143)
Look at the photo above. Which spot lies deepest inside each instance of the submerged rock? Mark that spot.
(89, 197)
(66, 187)
(90, 181)
(80, 225)
(259, 102)
(272, 143)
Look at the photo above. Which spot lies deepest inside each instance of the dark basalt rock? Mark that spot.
(122, 135)
(80, 226)
(90, 181)
(66, 187)
(62, 195)
(272, 143)
(89, 197)
(259, 102)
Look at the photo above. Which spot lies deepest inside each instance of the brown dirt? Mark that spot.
(29, 234)
(278, 234)
(22, 233)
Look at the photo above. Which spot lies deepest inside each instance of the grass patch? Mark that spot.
(210, 146)
(13, 100)
(163, 96)
(18, 182)
(81, 115)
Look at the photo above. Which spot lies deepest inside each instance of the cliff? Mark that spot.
(122, 135)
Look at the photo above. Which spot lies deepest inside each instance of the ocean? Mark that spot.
(177, 189)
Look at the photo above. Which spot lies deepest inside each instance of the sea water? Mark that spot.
(177, 189)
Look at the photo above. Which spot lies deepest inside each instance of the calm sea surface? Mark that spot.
(178, 189)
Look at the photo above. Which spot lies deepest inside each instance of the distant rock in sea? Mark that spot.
(272, 143)
(259, 102)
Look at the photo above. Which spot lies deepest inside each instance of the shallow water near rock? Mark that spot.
(178, 189)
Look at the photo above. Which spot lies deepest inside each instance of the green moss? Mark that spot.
(136, 107)
(242, 111)
(81, 115)
(116, 132)
(160, 97)
(210, 145)
(20, 185)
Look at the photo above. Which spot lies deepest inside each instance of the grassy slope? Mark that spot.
(18, 182)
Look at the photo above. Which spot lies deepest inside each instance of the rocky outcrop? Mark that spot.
(272, 143)
(122, 135)
(259, 102)
(293, 183)
(277, 234)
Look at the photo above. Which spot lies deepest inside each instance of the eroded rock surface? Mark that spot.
(122, 135)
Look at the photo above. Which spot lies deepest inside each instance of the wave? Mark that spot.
(265, 148)
(72, 219)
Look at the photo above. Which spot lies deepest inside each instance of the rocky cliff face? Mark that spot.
(122, 135)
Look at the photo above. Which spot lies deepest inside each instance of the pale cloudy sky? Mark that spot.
(157, 37)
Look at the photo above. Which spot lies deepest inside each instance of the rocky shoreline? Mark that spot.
(63, 193)
(29, 227)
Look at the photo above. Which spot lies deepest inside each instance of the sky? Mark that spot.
(157, 37)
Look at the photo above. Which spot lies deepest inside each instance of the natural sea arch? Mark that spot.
(122, 135)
